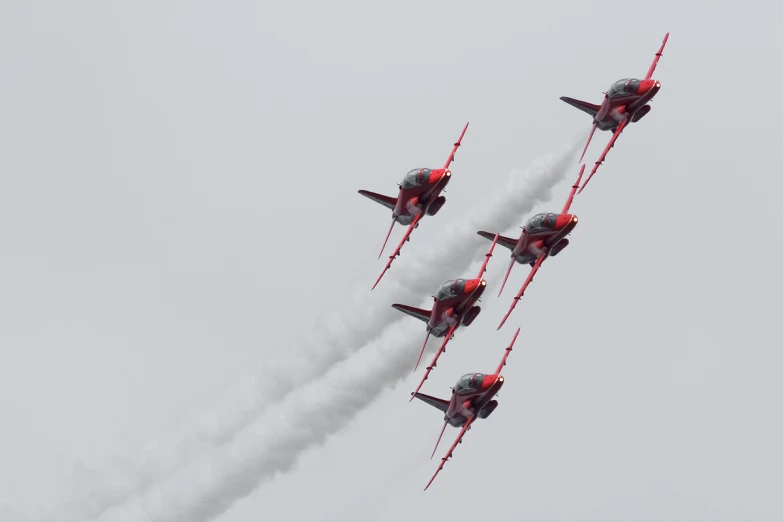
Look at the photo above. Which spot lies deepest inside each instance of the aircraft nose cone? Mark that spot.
(647, 85)
(438, 175)
(490, 380)
(473, 284)
(564, 220)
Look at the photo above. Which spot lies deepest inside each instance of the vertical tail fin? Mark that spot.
(441, 404)
(418, 313)
(589, 108)
(387, 201)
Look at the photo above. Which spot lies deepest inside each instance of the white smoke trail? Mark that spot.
(346, 331)
(274, 443)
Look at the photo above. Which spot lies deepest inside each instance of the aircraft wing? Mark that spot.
(487, 256)
(573, 191)
(457, 145)
(507, 352)
(601, 158)
(399, 247)
(657, 57)
(435, 359)
(451, 450)
(533, 271)
(589, 139)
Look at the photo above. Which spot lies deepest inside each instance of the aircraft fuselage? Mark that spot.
(466, 403)
(423, 196)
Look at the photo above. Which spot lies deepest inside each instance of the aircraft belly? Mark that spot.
(526, 258)
(607, 125)
(458, 420)
(555, 238)
(610, 116)
(443, 326)
(440, 329)
(405, 219)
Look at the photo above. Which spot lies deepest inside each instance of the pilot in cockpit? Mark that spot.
(541, 223)
(469, 383)
(624, 87)
(451, 288)
(416, 178)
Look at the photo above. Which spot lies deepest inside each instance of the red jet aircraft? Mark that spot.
(453, 306)
(419, 195)
(544, 235)
(471, 398)
(625, 102)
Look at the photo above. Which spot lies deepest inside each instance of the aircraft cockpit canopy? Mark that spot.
(624, 87)
(469, 383)
(541, 223)
(416, 178)
(451, 288)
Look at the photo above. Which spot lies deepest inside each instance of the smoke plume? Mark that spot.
(345, 332)
(274, 443)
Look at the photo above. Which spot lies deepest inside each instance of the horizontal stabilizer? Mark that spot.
(589, 108)
(386, 201)
(433, 401)
(418, 313)
(502, 240)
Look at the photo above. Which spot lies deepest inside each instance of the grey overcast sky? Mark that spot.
(179, 218)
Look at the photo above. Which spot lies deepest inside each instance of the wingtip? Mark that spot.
(504, 321)
(378, 280)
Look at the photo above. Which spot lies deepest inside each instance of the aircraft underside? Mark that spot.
(440, 329)
(526, 258)
(405, 219)
(607, 125)
(458, 420)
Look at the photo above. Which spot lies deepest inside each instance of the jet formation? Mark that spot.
(544, 235)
